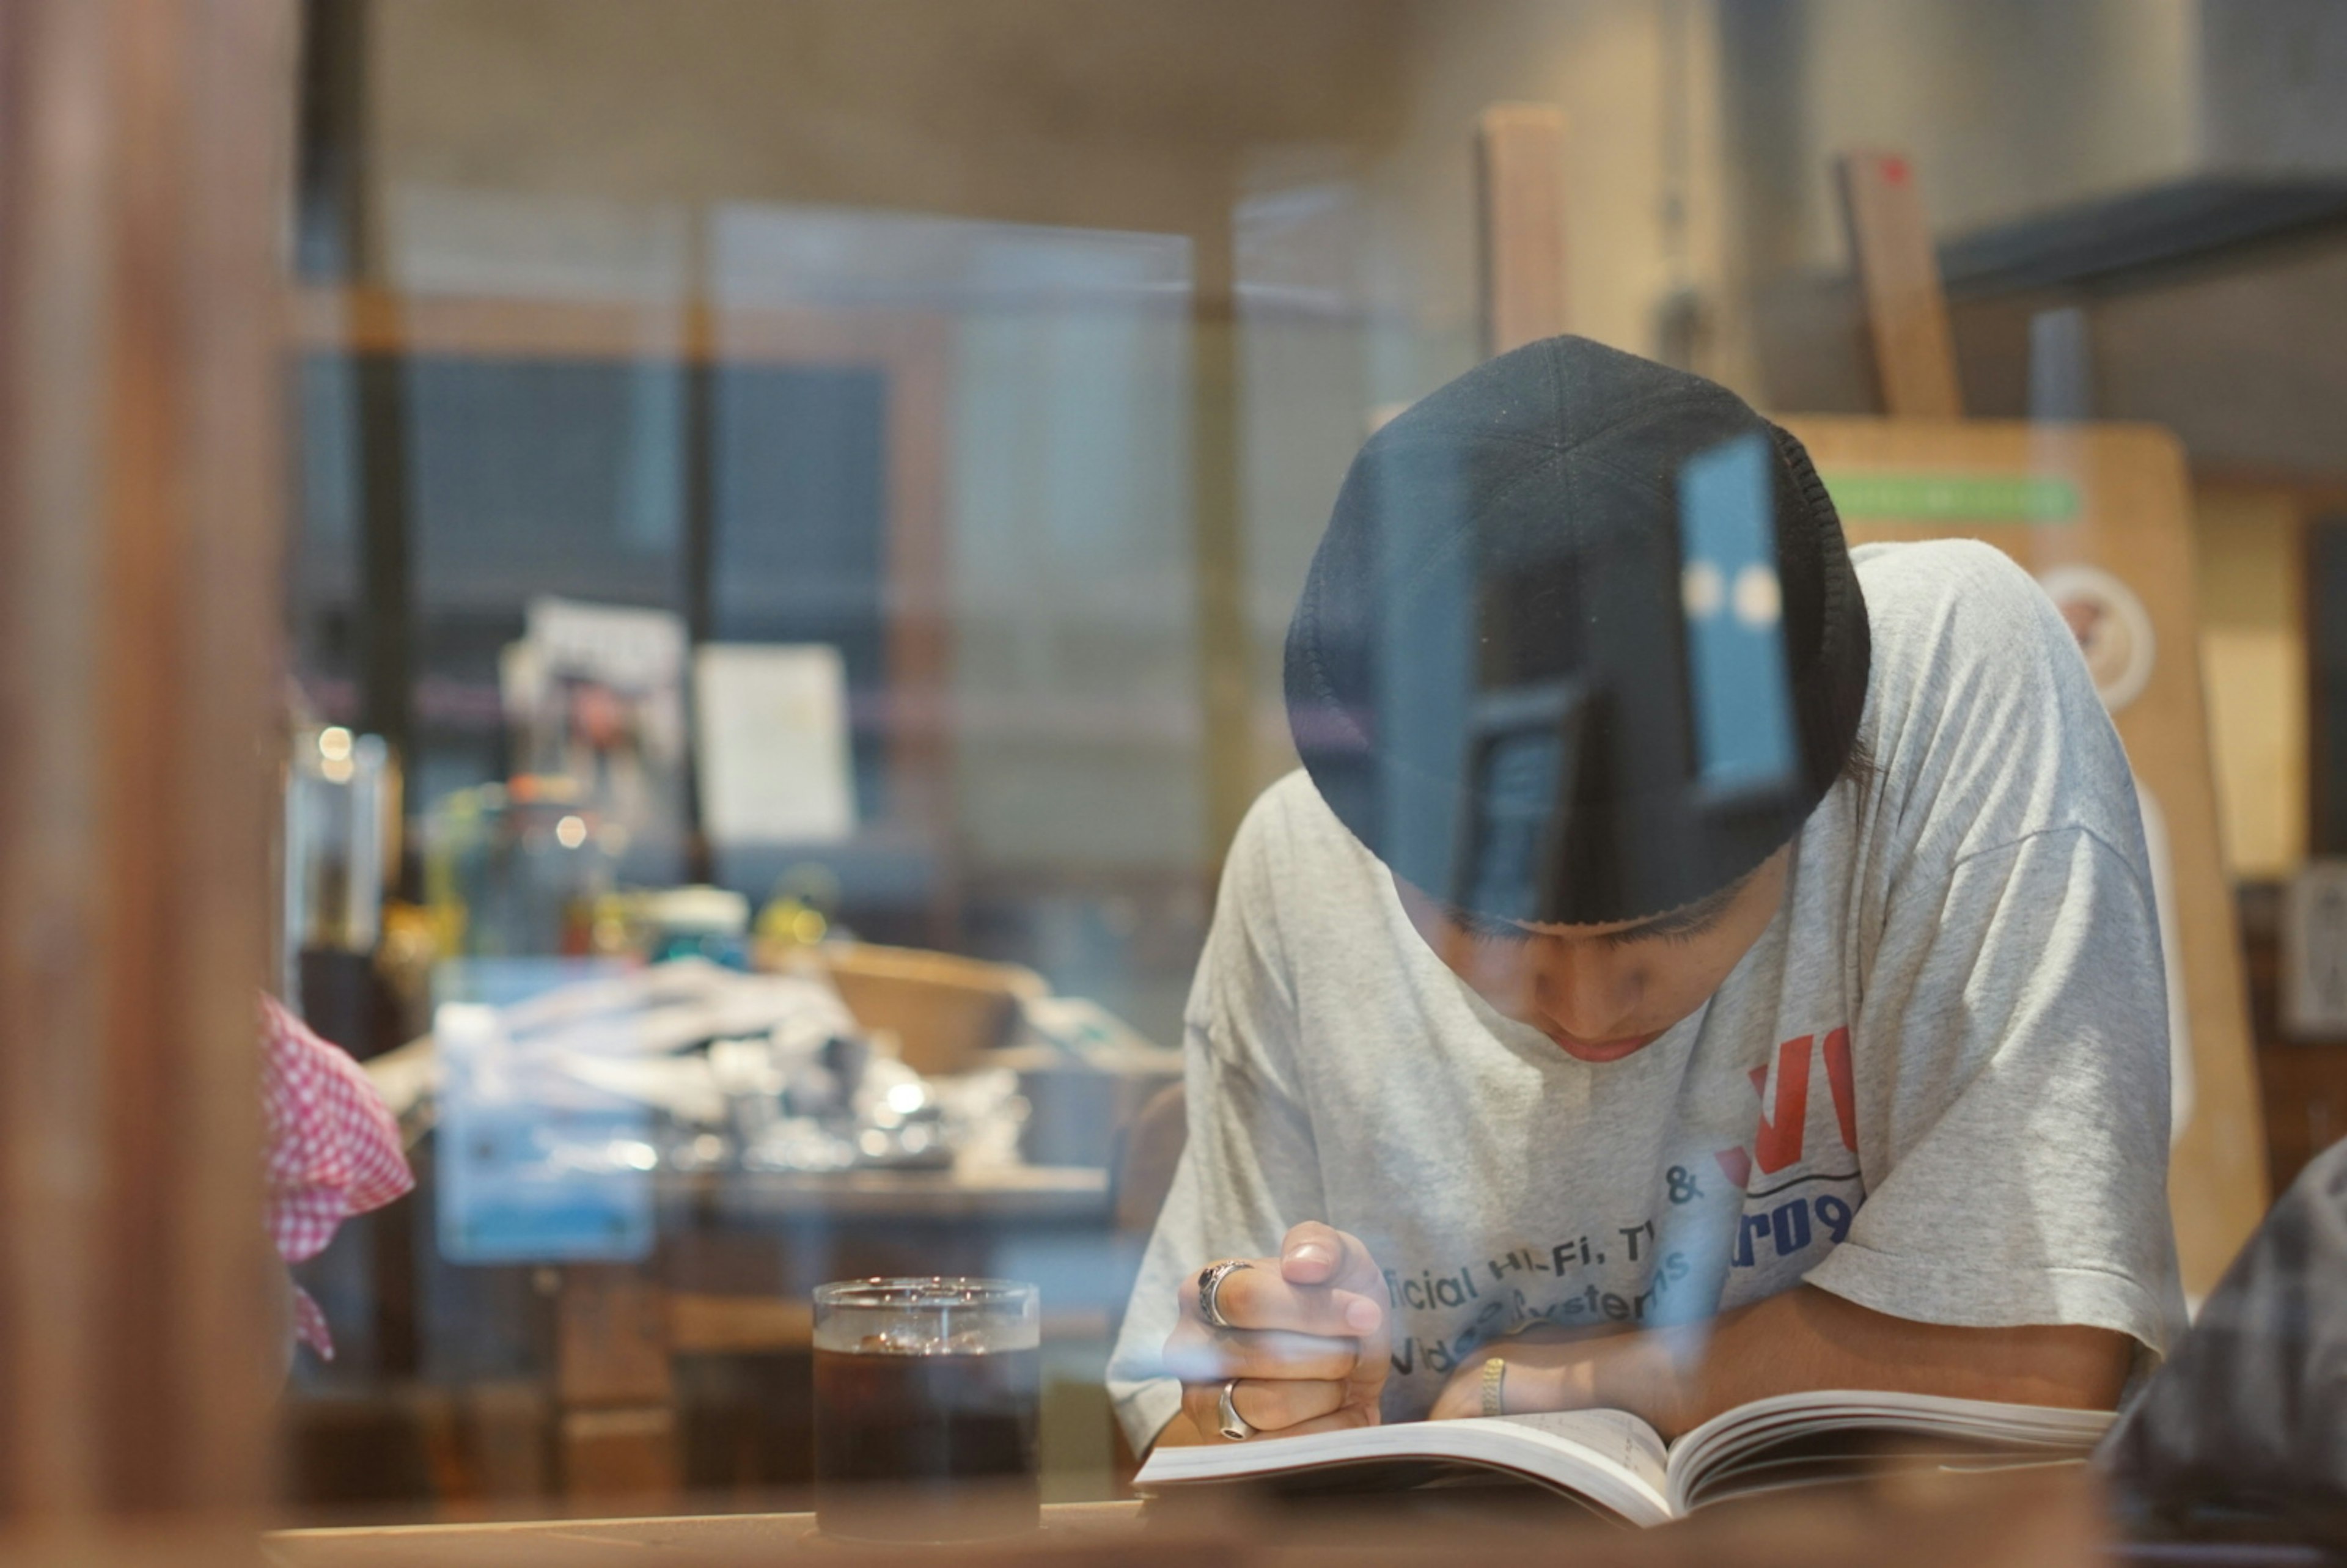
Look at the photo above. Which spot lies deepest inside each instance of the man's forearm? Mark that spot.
(1809, 1339)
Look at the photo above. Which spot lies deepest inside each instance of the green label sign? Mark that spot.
(1908, 497)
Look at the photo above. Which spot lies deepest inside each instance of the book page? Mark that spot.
(1615, 1435)
(1608, 1459)
(1822, 1431)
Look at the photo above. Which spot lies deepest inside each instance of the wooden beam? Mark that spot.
(1520, 164)
(616, 1425)
(611, 1336)
(142, 474)
(1898, 274)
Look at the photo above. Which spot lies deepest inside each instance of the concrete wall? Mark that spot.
(1116, 114)
(1635, 80)
(2006, 106)
(2272, 85)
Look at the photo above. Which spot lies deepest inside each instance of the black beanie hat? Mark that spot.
(1490, 677)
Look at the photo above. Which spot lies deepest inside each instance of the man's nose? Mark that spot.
(1589, 989)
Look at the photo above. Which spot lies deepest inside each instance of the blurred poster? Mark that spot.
(596, 696)
(772, 743)
(2112, 626)
(2314, 952)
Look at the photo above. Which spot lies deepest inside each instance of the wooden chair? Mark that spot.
(1147, 1151)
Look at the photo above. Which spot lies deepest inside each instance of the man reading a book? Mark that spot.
(1696, 961)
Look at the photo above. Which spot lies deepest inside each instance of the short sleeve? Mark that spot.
(1248, 1171)
(2013, 1084)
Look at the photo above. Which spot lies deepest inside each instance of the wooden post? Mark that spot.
(143, 146)
(617, 1396)
(1899, 273)
(1521, 184)
(1218, 541)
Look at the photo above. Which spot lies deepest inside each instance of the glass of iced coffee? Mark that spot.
(927, 1395)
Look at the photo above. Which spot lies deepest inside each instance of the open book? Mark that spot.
(1616, 1463)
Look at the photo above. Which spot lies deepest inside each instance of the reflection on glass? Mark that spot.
(845, 520)
(1735, 610)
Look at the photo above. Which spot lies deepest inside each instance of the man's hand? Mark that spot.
(1308, 1342)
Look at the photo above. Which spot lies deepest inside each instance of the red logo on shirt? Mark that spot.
(1777, 1142)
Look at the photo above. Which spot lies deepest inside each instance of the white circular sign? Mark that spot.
(2113, 630)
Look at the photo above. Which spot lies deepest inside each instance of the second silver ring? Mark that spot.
(1233, 1426)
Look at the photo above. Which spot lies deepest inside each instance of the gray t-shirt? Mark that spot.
(1937, 1085)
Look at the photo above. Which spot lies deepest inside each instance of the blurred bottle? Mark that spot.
(695, 922)
(341, 837)
(519, 870)
(800, 912)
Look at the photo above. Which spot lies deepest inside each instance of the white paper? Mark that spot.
(618, 645)
(773, 743)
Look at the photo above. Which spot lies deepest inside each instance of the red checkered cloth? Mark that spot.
(334, 1149)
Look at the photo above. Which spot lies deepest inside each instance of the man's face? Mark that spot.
(1603, 992)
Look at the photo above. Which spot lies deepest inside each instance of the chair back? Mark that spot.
(1147, 1151)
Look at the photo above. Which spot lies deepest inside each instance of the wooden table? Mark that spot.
(2019, 1518)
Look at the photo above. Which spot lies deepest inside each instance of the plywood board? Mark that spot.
(2254, 652)
(1899, 273)
(1521, 161)
(2112, 497)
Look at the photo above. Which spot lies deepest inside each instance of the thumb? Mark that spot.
(1357, 1281)
(1316, 1253)
(1312, 1253)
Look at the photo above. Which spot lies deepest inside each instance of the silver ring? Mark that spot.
(1210, 1291)
(1233, 1425)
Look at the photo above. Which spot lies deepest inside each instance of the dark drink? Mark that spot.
(926, 1447)
(927, 1397)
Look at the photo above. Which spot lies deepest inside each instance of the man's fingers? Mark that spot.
(1280, 1407)
(1260, 1298)
(1267, 1407)
(1286, 1311)
(1196, 1353)
(1313, 1253)
(1339, 1419)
